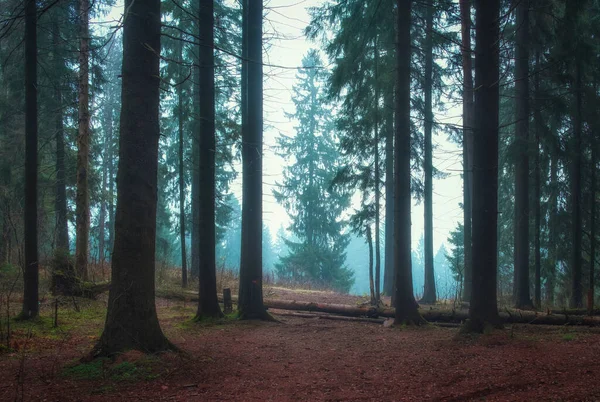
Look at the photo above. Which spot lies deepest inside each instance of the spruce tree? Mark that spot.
(314, 206)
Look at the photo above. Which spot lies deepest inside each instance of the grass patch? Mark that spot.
(87, 371)
(104, 368)
(569, 337)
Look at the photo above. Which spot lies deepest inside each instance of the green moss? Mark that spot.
(102, 368)
(87, 371)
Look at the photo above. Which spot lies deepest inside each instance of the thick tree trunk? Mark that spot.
(60, 203)
(184, 278)
(82, 198)
(208, 305)
(31, 271)
(429, 292)
(521, 228)
(250, 291)
(537, 116)
(468, 125)
(131, 320)
(483, 309)
(404, 300)
(388, 274)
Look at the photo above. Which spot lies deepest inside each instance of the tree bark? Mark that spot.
(521, 228)
(82, 198)
(537, 116)
(483, 309)
(102, 214)
(377, 180)
(250, 290)
(184, 279)
(208, 305)
(406, 306)
(552, 225)
(131, 320)
(388, 274)
(371, 282)
(576, 272)
(429, 292)
(468, 125)
(31, 271)
(592, 228)
(60, 204)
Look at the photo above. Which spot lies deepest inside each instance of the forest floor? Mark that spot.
(304, 359)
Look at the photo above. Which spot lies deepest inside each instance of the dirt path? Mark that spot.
(321, 360)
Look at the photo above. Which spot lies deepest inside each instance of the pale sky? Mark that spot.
(288, 18)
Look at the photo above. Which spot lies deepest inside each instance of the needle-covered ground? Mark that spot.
(304, 359)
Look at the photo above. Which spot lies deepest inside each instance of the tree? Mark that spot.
(31, 271)
(131, 320)
(429, 293)
(483, 310)
(406, 306)
(180, 154)
(571, 21)
(208, 304)
(62, 230)
(250, 301)
(82, 199)
(468, 125)
(521, 228)
(314, 205)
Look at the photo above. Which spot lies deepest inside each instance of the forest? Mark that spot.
(299, 200)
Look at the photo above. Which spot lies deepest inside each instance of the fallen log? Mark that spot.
(285, 313)
(442, 316)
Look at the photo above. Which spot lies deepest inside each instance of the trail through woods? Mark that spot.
(301, 358)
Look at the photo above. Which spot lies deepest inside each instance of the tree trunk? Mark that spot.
(131, 320)
(111, 190)
(576, 285)
(552, 225)
(371, 282)
(102, 214)
(468, 125)
(388, 275)
(483, 309)
(31, 271)
(592, 227)
(521, 228)
(406, 306)
(377, 180)
(60, 204)
(184, 279)
(250, 291)
(208, 305)
(537, 116)
(429, 292)
(82, 198)
(195, 244)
